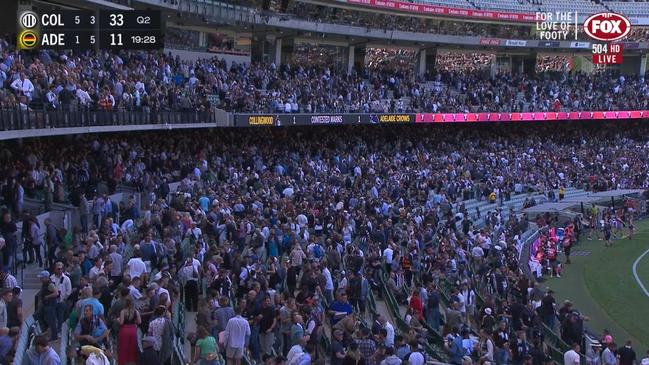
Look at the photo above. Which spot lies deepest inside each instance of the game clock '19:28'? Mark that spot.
(132, 40)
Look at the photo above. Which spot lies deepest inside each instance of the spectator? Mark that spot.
(626, 354)
(236, 334)
(572, 357)
(206, 344)
(6, 346)
(129, 320)
(47, 304)
(6, 296)
(90, 330)
(149, 355)
(45, 353)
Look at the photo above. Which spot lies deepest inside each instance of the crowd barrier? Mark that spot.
(17, 120)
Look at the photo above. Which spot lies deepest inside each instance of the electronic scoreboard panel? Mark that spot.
(87, 29)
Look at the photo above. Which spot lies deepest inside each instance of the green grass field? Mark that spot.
(602, 286)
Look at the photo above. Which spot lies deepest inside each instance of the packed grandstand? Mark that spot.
(141, 226)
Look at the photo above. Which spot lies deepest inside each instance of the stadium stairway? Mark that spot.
(397, 311)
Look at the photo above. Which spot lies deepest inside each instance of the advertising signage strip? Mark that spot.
(444, 10)
(287, 120)
(531, 117)
(284, 120)
(631, 45)
(489, 42)
(549, 44)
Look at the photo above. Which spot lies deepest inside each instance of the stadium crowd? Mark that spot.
(302, 229)
(297, 235)
(154, 82)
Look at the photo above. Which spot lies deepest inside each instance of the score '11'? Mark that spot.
(116, 39)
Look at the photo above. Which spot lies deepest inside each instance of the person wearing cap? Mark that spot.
(340, 308)
(151, 299)
(162, 279)
(90, 330)
(488, 320)
(593, 353)
(48, 297)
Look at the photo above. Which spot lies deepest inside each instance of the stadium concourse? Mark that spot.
(312, 235)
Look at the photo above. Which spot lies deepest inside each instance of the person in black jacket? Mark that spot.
(520, 348)
(8, 231)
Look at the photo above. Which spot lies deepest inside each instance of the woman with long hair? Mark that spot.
(129, 320)
(206, 353)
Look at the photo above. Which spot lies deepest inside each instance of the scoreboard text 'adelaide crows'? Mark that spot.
(87, 29)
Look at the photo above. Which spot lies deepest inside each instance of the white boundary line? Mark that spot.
(635, 273)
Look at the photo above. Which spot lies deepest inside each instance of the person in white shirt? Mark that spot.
(118, 264)
(97, 269)
(389, 337)
(415, 357)
(83, 96)
(388, 253)
(62, 282)
(571, 357)
(329, 283)
(64, 286)
(134, 292)
(52, 98)
(295, 353)
(235, 339)
(135, 266)
(23, 86)
(645, 361)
